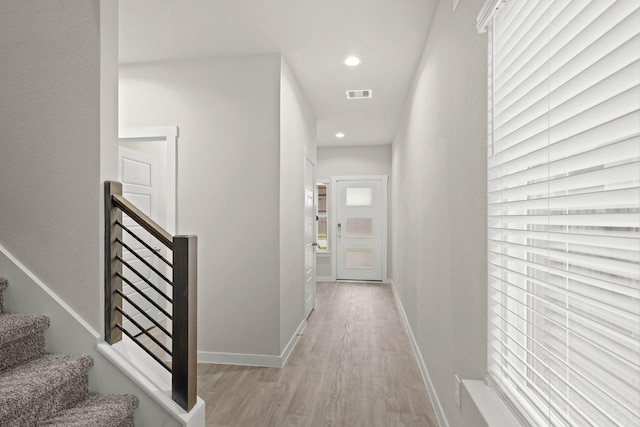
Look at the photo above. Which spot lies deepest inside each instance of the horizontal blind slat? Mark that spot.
(632, 365)
(622, 404)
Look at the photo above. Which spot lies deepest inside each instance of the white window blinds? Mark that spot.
(564, 210)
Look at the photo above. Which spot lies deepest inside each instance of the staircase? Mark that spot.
(42, 389)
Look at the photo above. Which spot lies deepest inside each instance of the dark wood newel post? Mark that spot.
(185, 316)
(111, 265)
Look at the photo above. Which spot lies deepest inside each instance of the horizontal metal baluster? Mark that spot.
(137, 307)
(145, 296)
(147, 281)
(144, 261)
(145, 244)
(137, 325)
(134, 339)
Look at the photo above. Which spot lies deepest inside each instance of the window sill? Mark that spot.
(494, 411)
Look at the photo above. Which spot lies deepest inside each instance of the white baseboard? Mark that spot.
(292, 342)
(437, 407)
(263, 360)
(69, 333)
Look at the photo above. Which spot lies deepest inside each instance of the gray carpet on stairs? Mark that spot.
(97, 409)
(21, 338)
(3, 286)
(41, 389)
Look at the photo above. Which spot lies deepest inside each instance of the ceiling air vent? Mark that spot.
(359, 94)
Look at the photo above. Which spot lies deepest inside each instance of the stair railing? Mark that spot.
(180, 307)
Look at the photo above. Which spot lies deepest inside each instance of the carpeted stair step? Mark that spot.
(106, 410)
(3, 286)
(35, 391)
(21, 338)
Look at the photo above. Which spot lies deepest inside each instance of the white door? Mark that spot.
(361, 209)
(137, 171)
(309, 237)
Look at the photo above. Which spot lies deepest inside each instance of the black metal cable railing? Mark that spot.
(178, 309)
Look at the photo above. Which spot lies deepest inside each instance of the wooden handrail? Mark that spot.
(143, 220)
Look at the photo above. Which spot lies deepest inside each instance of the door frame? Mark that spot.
(384, 179)
(169, 136)
(309, 157)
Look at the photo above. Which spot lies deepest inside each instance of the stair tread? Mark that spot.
(105, 410)
(16, 326)
(22, 386)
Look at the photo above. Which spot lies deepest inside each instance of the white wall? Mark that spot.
(50, 145)
(439, 204)
(351, 160)
(354, 160)
(297, 133)
(228, 185)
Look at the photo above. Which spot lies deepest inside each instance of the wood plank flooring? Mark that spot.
(353, 366)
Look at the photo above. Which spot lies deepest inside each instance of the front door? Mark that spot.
(361, 209)
(309, 237)
(137, 171)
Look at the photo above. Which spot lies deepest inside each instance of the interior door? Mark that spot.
(309, 236)
(137, 171)
(360, 216)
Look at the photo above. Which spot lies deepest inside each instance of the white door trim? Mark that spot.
(170, 135)
(334, 253)
(309, 158)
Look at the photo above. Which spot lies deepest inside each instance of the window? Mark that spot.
(321, 214)
(564, 209)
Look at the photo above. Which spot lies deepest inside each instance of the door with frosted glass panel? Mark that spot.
(360, 211)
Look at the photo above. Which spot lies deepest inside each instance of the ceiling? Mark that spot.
(314, 36)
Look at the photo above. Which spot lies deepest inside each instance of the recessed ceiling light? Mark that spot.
(352, 61)
(339, 135)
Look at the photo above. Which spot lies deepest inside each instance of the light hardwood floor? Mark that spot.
(353, 366)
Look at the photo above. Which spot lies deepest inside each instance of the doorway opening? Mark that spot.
(147, 171)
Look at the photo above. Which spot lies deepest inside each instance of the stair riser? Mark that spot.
(3, 286)
(21, 350)
(67, 394)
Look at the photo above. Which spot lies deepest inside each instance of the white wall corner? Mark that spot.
(292, 342)
(442, 419)
(260, 360)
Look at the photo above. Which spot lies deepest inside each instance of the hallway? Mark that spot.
(353, 366)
